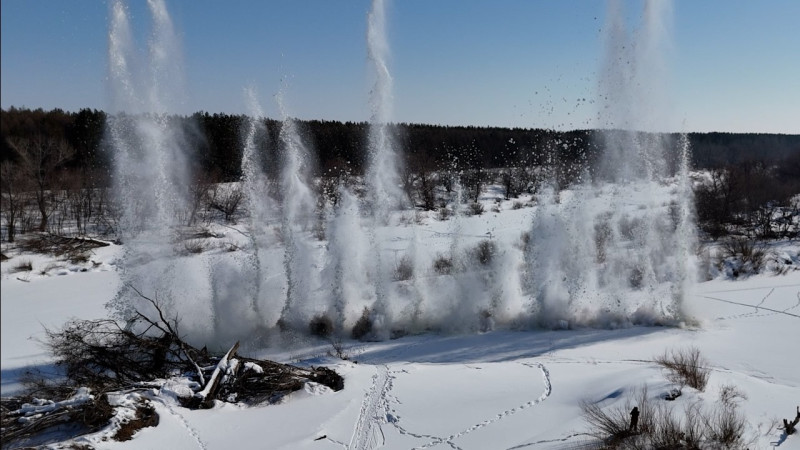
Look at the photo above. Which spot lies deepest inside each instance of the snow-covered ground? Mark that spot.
(495, 390)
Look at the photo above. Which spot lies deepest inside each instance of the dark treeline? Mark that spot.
(216, 143)
(55, 166)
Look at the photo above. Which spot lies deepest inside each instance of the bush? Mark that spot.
(320, 326)
(363, 326)
(484, 252)
(475, 209)
(661, 426)
(23, 266)
(443, 265)
(404, 269)
(613, 424)
(729, 395)
(725, 426)
(746, 256)
(194, 246)
(524, 241)
(685, 367)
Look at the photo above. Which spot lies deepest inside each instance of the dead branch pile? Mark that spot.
(105, 356)
(53, 244)
(101, 356)
(30, 421)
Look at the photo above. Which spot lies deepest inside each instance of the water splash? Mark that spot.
(298, 203)
(151, 164)
(151, 169)
(382, 179)
(347, 270)
(606, 252)
(615, 251)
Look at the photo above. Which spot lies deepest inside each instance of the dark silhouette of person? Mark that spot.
(634, 419)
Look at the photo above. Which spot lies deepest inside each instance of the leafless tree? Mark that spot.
(226, 200)
(41, 157)
(13, 197)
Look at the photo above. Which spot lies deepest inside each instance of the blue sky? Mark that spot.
(734, 64)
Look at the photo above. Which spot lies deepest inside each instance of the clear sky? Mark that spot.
(734, 64)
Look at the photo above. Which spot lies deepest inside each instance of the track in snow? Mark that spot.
(368, 433)
(376, 411)
(548, 388)
(166, 407)
(776, 311)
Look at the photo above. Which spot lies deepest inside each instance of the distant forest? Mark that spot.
(215, 141)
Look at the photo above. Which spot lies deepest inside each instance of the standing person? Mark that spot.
(634, 420)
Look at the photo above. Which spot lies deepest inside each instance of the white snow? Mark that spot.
(500, 389)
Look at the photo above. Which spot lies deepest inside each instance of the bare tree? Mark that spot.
(473, 181)
(13, 197)
(226, 200)
(41, 158)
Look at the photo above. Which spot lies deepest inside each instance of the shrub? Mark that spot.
(228, 246)
(729, 395)
(685, 367)
(614, 423)
(23, 266)
(78, 257)
(725, 426)
(363, 325)
(635, 278)
(404, 269)
(747, 255)
(484, 251)
(476, 209)
(525, 241)
(194, 246)
(337, 348)
(443, 265)
(320, 325)
(662, 427)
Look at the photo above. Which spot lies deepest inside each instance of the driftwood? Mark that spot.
(26, 419)
(791, 427)
(209, 391)
(60, 245)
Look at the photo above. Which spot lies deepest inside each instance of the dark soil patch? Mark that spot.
(146, 416)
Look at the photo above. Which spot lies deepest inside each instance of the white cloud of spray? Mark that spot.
(604, 254)
(616, 251)
(298, 206)
(151, 169)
